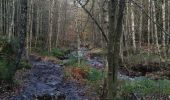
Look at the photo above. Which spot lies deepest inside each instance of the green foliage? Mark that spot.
(5, 70)
(144, 86)
(24, 64)
(164, 86)
(57, 52)
(94, 75)
(72, 61)
(44, 53)
(7, 60)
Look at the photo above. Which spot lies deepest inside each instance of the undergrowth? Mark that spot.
(84, 74)
(144, 87)
(7, 60)
(55, 52)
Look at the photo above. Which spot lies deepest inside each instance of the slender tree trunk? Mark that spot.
(168, 22)
(4, 16)
(78, 43)
(133, 27)
(164, 27)
(149, 24)
(7, 16)
(127, 29)
(29, 29)
(65, 20)
(37, 25)
(168, 6)
(1, 18)
(31, 26)
(59, 25)
(51, 24)
(152, 25)
(155, 26)
(141, 25)
(11, 28)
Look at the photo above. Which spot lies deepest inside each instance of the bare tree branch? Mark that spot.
(95, 21)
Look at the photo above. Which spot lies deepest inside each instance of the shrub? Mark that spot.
(71, 61)
(94, 75)
(144, 87)
(5, 71)
(57, 52)
(7, 60)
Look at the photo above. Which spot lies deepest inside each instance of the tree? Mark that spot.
(133, 26)
(155, 26)
(115, 31)
(11, 28)
(22, 31)
(51, 13)
(164, 25)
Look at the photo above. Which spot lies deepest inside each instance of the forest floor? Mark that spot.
(51, 78)
(45, 81)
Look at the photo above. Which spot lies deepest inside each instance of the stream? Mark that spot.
(45, 82)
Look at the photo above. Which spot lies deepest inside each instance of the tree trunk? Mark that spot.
(29, 29)
(164, 27)
(155, 26)
(133, 27)
(31, 25)
(1, 18)
(168, 37)
(22, 31)
(115, 31)
(141, 25)
(11, 28)
(149, 24)
(168, 22)
(59, 24)
(37, 25)
(51, 24)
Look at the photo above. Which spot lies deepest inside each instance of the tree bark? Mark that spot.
(168, 22)
(155, 26)
(140, 26)
(149, 24)
(22, 31)
(115, 32)
(164, 27)
(168, 37)
(51, 24)
(11, 28)
(133, 27)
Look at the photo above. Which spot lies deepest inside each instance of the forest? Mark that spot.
(84, 49)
